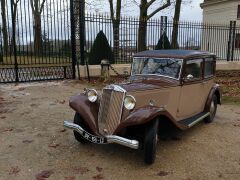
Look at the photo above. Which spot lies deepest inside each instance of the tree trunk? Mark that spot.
(116, 30)
(4, 26)
(175, 24)
(37, 33)
(142, 29)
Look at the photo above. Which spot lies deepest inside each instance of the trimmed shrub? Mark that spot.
(163, 42)
(100, 50)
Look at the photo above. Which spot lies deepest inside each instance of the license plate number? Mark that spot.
(94, 139)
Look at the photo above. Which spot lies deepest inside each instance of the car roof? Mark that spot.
(173, 53)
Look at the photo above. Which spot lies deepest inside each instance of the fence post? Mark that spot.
(73, 39)
(14, 42)
(233, 39)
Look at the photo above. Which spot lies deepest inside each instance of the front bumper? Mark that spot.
(134, 144)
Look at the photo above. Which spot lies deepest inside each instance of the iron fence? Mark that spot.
(221, 39)
(35, 40)
(44, 39)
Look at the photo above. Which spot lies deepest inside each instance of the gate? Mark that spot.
(35, 41)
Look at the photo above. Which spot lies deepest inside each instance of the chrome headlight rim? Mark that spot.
(92, 95)
(129, 102)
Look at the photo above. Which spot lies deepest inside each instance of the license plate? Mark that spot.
(94, 139)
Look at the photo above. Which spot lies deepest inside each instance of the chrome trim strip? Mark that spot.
(115, 88)
(199, 119)
(158, 74)
(134, 144)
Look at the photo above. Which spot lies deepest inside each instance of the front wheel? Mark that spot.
(213, 110)
(79, 121)
(150, 142)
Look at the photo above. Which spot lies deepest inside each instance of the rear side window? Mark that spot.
(193, 70)
(209, 67)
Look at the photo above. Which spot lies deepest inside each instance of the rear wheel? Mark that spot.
(79, 121)
(150, 142)
(213, 110)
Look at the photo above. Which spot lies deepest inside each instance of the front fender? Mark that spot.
(215, 90)
(86, 109)
(144, 115)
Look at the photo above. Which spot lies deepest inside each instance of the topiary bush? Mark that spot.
(163, 42)
(100, 50)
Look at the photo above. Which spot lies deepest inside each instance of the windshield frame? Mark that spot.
(180, 72)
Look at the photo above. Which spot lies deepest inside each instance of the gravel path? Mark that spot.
(34, 144)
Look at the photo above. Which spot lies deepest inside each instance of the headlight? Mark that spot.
(129, 102)
(92, 95)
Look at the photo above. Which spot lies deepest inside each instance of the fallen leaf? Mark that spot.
(162, 173)
(21, 89)
(98, 177)
(8, 129)
(99, 169)
(53, 145)
(81, 170)
(14, 170)
(69, 178)
(63, 130)
(44, 174)
(27, 141)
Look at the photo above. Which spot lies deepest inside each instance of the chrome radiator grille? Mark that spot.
(110, 110)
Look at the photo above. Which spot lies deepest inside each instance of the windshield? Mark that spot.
(156, 66)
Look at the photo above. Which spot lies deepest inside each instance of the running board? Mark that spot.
(189, 122)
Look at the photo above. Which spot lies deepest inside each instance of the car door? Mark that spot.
(209, 71)
(192, 100)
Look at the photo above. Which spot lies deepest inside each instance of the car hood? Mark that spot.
(150, 83)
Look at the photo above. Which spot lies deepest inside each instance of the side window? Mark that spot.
(209, 67)
(193, 70)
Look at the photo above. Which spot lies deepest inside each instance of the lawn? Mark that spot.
(230, 89)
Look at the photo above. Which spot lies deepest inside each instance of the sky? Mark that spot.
(192, 12)
(189, 12)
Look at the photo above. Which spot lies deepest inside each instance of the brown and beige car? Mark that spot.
(176, 86)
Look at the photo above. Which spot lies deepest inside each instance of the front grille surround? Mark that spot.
(111, 109)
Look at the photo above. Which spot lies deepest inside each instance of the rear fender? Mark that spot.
(217, 91)
(86, 109)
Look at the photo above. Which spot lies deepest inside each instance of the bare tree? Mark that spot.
(37, 8)
(175, 24)
(144, 17)
(116, 17)
(4, 25)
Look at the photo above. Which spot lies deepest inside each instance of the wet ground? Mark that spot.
(34, 144)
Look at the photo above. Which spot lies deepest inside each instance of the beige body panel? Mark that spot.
(167, 98)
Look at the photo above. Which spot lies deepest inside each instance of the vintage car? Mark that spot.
(176, 86)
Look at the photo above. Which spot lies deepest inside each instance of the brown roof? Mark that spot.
(182, 54)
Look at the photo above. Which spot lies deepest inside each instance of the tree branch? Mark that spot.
(31, 3)
(111, 9)
(42, 5)
(118, 9)
(167, 4)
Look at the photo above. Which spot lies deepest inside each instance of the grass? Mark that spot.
(230, 89)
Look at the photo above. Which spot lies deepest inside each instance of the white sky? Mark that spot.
(191, 11)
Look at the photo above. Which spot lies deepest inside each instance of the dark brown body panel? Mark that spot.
(217, 91)
(144, 115)
(87, 110)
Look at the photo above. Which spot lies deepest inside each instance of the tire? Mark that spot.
(150, 142)
(79, 121)
(213, 110)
